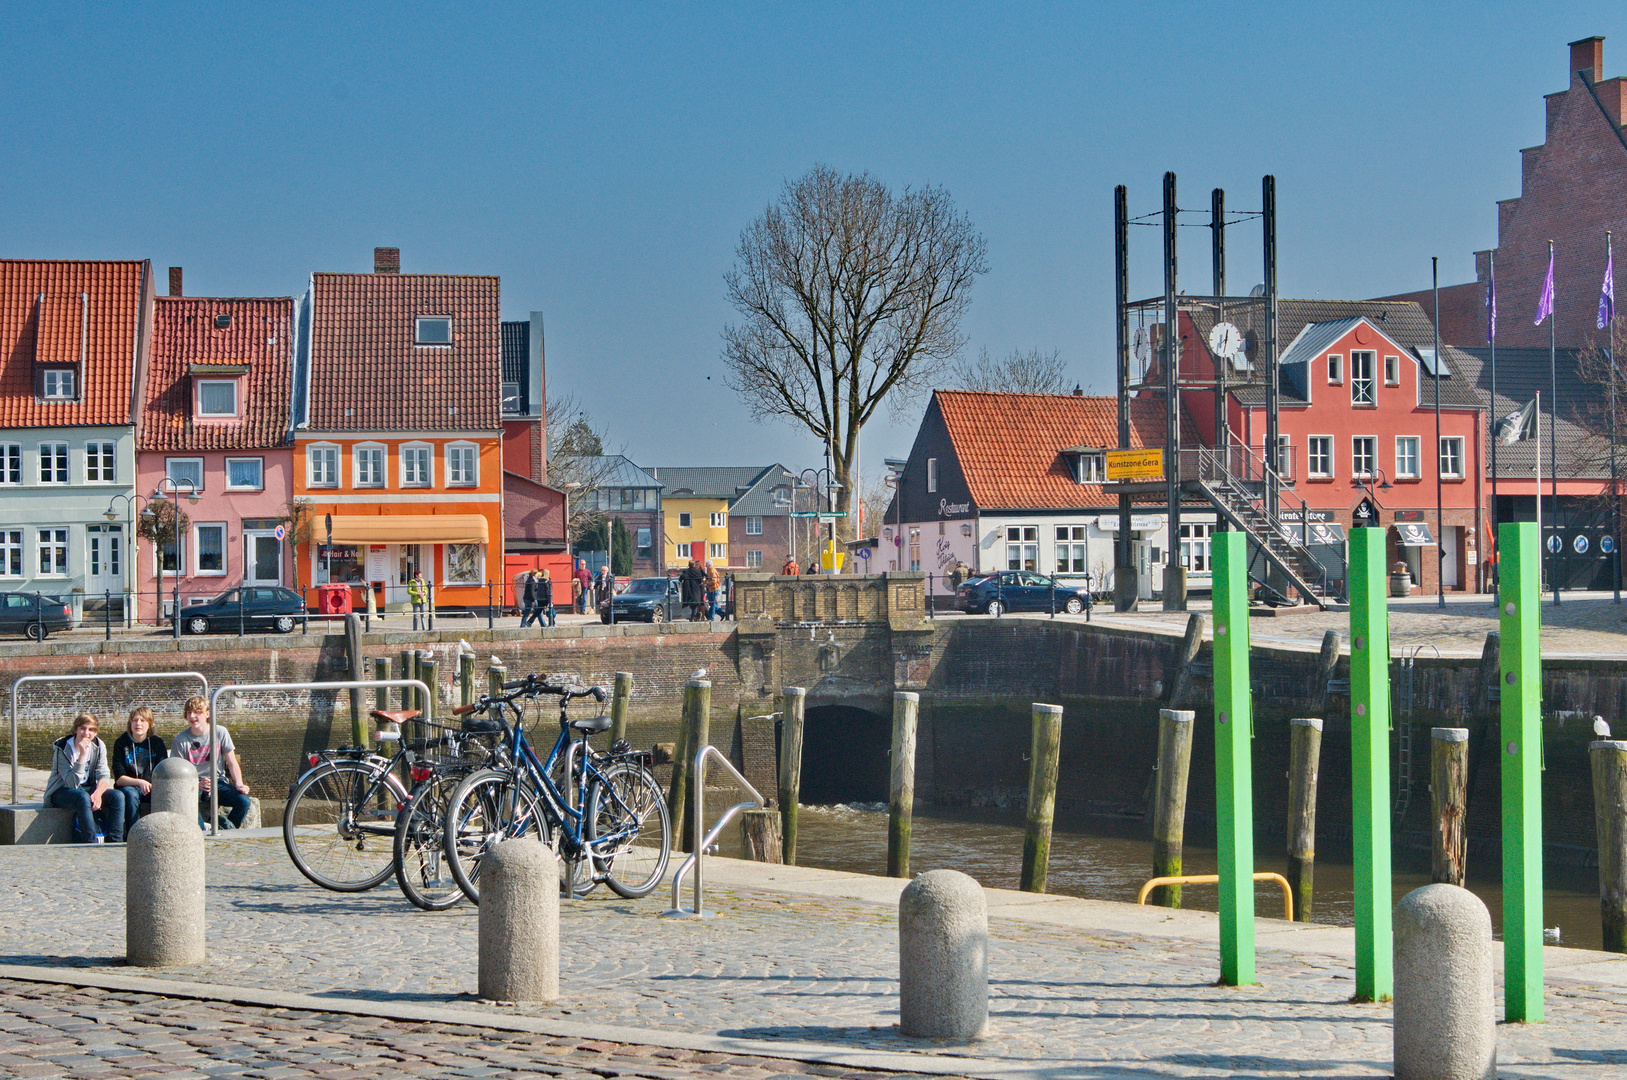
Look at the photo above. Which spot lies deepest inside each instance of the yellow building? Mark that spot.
(695, 511)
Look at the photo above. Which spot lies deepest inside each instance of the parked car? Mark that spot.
(1020, 590)
(260, 606)
(647, 599)
(34, 615)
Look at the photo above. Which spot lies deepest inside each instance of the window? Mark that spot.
(58, 384)
(1319, 460)
(1392, 371)
(717, 551)
(932, 474)
(1195, 546)
(1362, 391)
(1072, 552)
(754, 526)
(460, 466)
(11, 463)
(53, 547)
(1284, 463)
(416, 467)
(211, 547)
(1092, 468)
(754, 560)
(167, 559)
(322, 466)
(915, 549)
(720, 521)
(1452, 458)
(463, 564)
(512, 405)
(54, 463)
(186, 473)
(684, 521)
(99, 463)
(641, 545)
(1362, 455)
(245, 474)
(1022, 547)
(683, 551)
(434, 330)
(11, 553)
(1406, 457)
(1335, 376)
(217, 397)
(369, 465)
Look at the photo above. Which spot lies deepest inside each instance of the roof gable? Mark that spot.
(188, 341)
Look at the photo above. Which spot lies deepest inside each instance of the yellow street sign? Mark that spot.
(1135, 464)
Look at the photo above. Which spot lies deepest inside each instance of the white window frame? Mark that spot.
(1456, 442)
(1336, 369)
(754, 559)
(425, 453)
(1324, 443)
(418, 331)
(1363, 388)
(261, 486)
(197, 399)
(197, 549)
(1392, 371)
(1285, 453)
(57, 473)
(717, 551)
(11, 464)
(685, 520)
(312, 452)
(1401, 471)
(681, 551)
(168, 475)
(754, 525)
(58, 543)
(66, 384)
(11, 553)
(932, 475)
(1091, 468)
(1022, 544)
(108, 451)
(480, 565)
(1196, 546)
(457, 448)
(720, 519)
(369, 451)
(1356, 471)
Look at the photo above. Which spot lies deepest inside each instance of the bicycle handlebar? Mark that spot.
(532, 686)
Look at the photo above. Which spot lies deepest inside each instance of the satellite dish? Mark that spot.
(1258, 290)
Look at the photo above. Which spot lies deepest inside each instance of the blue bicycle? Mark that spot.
(605, 815)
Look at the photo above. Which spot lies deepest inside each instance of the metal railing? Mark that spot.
(1213, 879)
(697, 785)
(110, 677)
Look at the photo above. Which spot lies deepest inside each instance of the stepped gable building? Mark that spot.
(215, 421)
(74, 341)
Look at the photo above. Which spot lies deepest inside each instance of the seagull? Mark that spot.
(1600, 728)
(700, 673)
(496, 661)
(1550, 934)
(464, 648)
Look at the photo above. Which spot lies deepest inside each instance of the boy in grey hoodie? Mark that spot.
(80, 777)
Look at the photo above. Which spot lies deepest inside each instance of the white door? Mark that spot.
(104, 560)
(262, 558)
(1450, 537)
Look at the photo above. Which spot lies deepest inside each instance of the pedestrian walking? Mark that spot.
(692, 589)
(790, 569)
(714, 587)
(528, 598)
(813, 565)
(417, 596)
(584, 582)
(545, 597)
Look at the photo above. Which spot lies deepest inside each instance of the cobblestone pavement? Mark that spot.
(787, 965)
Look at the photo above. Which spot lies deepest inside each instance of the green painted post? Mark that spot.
(1370, 763)
(1519, 609)
(1234, 779)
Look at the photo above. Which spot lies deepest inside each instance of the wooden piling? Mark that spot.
(793, 705)
(381, 673)
(1304, 762)
(901, 799)
(1179, 681)
(429, 670)
(1609, 760)
(1045, 748)
(409, 670)
(1327, 662)
(496, 675)
(1169, 802)
(466, 678)
(621, 698)
(358, 670)
(760, 836)
(693, 734)
(1449, 805)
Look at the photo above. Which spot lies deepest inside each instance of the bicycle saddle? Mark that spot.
(394, 716)
(481, 725)
(592, 723)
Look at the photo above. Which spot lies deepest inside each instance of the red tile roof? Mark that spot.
(1008, 445)
(364, 360)
(184, 333)
(103, 329)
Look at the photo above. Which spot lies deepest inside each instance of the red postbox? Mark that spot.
(333, 600)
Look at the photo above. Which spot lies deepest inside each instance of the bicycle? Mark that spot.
(420, 869)
(618, 829)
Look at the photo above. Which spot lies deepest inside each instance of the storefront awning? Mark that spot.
(407, 529)
(1414, 534)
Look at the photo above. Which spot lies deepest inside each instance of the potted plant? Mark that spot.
(1400, 579)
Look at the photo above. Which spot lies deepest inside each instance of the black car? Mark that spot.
(1020, 590)
(646, 599)
(259, 605)
(34, 615)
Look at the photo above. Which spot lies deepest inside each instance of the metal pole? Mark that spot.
(1268, 214)
(1217, 258)
(491, 618)
(1370, 762)
(107, 614)
(1491, 337)
(1440, 521)
(1553, 446)
(1519, 614)
(175, 526)
(1174, 574)
(1125, 586)
(1615, 490)
(1234, 776)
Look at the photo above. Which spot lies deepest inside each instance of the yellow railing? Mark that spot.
(1214, 879)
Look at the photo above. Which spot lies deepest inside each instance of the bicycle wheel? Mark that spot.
(487, 808)
(420, 861)
(629, 831)
(333, 838)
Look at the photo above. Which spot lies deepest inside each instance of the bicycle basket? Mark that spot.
(481, 725)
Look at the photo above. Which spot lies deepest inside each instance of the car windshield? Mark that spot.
(648, 586)
(229, 596)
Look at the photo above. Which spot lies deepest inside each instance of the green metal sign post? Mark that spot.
(1234, 777)
(1519, 609)
(1370, 763)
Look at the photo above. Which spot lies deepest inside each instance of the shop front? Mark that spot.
(389, 551)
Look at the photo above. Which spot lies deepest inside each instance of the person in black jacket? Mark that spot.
(136, 754)
(528, 600)
(692, 588)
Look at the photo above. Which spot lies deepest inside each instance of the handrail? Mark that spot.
(1212, 879)
(1254, 469)
(105, 677)
(697, 783)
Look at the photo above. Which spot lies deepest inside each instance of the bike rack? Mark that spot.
(109, 677)
(1212, 879)
(697, 782)
(240, 688)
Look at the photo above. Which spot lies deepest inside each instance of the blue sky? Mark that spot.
(603, 159)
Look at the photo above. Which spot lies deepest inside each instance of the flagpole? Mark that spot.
(1440, 520)
(1553, 425)
(1491, 335)
(1609, 291)
(1537, 420)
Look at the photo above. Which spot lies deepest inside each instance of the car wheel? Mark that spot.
(1074, 605)
(285, 624)
(658, 615)
(35, 632)
(995, 608)
(197, 625)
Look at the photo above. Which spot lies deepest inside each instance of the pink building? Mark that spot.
(215, 421)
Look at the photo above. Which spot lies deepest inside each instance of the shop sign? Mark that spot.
(1135, 464)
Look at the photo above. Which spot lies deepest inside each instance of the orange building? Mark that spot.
(398, 466)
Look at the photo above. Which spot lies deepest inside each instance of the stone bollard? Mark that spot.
(175, 788)
(163, 890)
(1445, 1018)
(519, 922)
(943, 957)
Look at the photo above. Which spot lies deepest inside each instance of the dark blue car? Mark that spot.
(1020, 590)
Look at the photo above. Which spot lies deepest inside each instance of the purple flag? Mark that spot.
(1491, 300)
(1607, 295)
(1545, 306)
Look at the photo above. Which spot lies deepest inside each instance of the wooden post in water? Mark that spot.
(357, 669)
(1304, 760)
(621, 699)
(760, 836)
(1327, 662)
(429, 670)
(381, 673)
(693, 734)
(409, 670)
(496, 675)
(1044, 750)
(1449, 804)
(1180, 677)
(466, 678)
(1609, 759)
(901, 800)
(793, 705)
(1169, 802)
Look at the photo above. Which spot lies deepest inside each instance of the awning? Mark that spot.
(1322, 534)
(1414, 534)
(406, 529)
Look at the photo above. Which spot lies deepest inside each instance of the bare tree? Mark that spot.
(1031, 372)
(577, 462)
(849, 295)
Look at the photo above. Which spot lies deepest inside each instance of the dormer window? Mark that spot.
(512, 405)
(434, 330)
(217, 397)
(58, 384)
(1088, 464)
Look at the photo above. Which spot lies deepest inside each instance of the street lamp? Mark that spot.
(134, 551)
(832, 485)
(172, 487)
(895, 480)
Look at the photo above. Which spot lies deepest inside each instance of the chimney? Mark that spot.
(175, 281)
(386, 260)
(1587, 56)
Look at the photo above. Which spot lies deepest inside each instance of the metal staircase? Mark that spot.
(1237, 489)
